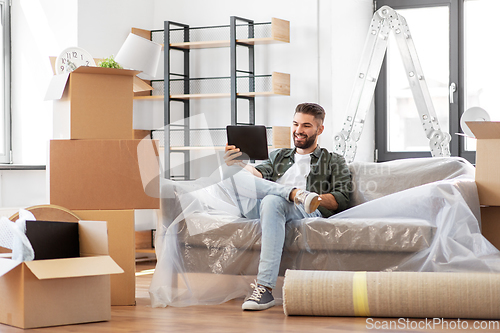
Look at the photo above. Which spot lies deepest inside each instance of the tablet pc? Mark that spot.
(252, 141)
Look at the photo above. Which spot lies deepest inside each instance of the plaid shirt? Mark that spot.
(329, 174)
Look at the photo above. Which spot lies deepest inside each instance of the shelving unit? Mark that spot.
(214, 138)
(273, 84)
(241, 84)
(280, 32)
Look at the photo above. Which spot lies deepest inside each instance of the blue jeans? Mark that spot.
(268, 201)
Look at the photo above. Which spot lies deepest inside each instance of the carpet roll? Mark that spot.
(392, 294)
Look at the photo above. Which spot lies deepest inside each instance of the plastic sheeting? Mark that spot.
(13, 236)
(407, 215)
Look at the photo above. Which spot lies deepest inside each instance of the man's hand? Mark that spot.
(328, 201)
(231, 153)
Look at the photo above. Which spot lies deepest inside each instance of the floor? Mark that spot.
(228, 317)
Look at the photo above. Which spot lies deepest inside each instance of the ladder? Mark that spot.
(385, 21)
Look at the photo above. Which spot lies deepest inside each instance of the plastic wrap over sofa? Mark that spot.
(407, 215)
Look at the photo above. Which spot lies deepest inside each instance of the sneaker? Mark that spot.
(261, 299)
(310, 200)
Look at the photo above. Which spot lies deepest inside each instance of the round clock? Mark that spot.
(72, 58)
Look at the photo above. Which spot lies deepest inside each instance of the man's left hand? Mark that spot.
(328, 201)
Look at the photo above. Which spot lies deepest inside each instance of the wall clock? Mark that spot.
(71, 58)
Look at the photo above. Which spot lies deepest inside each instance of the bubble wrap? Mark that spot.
(13, 236)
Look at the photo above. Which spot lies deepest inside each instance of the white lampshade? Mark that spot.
(139, 54)
(473, 114)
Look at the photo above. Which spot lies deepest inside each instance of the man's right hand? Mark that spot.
(231, 153)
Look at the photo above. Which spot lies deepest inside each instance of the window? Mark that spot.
(404, 130)
(437, 31)
(5, 82)
(481, 58)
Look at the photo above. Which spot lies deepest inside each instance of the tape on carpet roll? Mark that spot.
(392, 294)
(360, 295)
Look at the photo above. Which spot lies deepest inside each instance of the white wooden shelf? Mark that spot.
(280, 33)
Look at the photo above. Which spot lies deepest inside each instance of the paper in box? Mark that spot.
(487, 134)
(52, 292)
(101, 174)
(94, 103)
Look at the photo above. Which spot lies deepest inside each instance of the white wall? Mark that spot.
(327, 37)
(350, 23)
(343, 29)
(22, 188)
(40, 29)
(103, 25)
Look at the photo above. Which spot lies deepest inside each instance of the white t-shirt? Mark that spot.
(297, 174)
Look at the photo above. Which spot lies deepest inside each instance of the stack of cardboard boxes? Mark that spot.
(487, 134)
(97, 161)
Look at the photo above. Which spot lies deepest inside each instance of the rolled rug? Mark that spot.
(392, 294)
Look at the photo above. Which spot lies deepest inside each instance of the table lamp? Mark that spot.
(140, 54)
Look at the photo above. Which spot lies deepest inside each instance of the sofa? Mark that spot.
(411, 215)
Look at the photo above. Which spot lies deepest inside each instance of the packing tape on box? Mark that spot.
(13, 236)
(392, 294)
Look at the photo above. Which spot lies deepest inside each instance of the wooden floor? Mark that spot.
(228, 317)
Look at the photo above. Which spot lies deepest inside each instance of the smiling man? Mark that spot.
(305, 181)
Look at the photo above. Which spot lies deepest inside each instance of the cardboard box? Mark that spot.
(121, 249)
(94, 103)
(281, 136)
(144, 240)
(102, 174)
(490, 224)
(52, 292)
(487, 161)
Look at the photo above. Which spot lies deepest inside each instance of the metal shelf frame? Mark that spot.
(170, 26)
(234, 71)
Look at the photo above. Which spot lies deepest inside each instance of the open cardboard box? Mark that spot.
(53, 292)
(490, 224)
(487, 134)
(94, 103)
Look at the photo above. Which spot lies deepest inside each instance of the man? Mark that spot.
(307, 181)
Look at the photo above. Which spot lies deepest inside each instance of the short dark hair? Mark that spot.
(313, 109)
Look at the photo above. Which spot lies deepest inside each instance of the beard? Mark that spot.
(307, 143)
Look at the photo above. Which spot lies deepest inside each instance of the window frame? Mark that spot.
(456, 109)
(5, 112)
